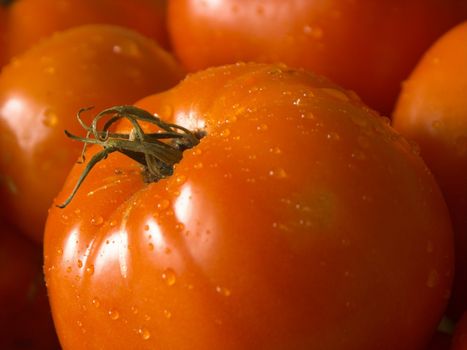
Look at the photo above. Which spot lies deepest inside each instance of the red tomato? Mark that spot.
(300, 221)
(28, 21)
(25, 320)
(368, 46)
(40, 93)
(432, 110)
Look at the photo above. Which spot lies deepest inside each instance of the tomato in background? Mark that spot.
(300, 221)
(364, 45)
(440, 341)
(432, 110)
(25, 319)
(459, 341)
(28, 21)
(40, 94)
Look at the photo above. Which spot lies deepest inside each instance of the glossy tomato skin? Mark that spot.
(29, 21)
(40, 94)
(301, 221)
(368, 46)
(25, 320)
(432, 110)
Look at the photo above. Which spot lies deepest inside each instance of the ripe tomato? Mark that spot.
(25, 319)
(365, 45)
(28, 21)
(432, 110)
(300, 221)
(41, 92)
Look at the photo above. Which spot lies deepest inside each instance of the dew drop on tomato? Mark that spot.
(169, 277)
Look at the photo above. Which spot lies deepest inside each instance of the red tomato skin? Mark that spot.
(365, 45)
(300, 221)
(40, 94)
(432, 111)
(30, 21)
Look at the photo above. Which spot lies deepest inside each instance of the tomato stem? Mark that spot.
(156, 157)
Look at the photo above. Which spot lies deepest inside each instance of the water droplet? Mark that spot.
(144, 332)
(433, 279)
(134, 309)
(223, 291)
(313, 32)
(151, 246)
(147, 317)
(163, 204)
(275, 150)
(96, 302)
(80, 263)
(59, 252)
(90, 269)
(225, 132)
(114, 314)
(278, 173)
(198, 165)
(97, 220)
(262, 127)
(334, 136)
(167, 314)
(128, 48)
(169, 277)
(50, 118)
(68, 269)
(180, 179)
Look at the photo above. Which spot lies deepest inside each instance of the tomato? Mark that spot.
(432, 110)
(368, 46)
(459, 341)
(41, 92)
(300, 221)
(25, 320)
(31, 20)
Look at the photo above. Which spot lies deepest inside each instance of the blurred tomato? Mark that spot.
(432, 110)
(365, 45)
(300, 221)
(28, 21)
(25, 319)
(459, 341)
(40, 93)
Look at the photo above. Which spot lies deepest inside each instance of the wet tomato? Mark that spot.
(432, 110)
(28, 21)
(25, 320)
(301, 220)
(365, 45)
(40, 93)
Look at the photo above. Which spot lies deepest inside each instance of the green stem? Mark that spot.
(157, 157)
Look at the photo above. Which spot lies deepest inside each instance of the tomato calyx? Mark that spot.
(157, 157)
